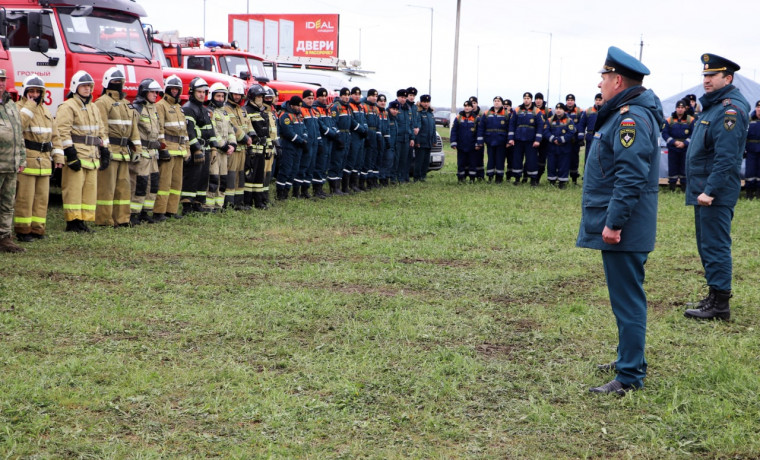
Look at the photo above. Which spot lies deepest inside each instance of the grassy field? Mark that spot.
(425, 321)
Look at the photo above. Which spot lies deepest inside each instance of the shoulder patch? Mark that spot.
(628, 122)
(286, 121)
(624, 109)
(726, 102)
(627, 132)
(729, 121)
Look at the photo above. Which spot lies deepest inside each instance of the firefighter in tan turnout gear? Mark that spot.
(42, 148)
(244, 131)
(174, 128)
(85, 143)
(123, 136)
(223, 144)
(144, 171)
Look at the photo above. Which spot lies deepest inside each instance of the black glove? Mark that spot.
(72, 160)
(581, 143)
(199, 156)
(105, 158)
(234, 146)
(163, 155)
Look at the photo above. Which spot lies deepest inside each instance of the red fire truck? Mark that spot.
(55, 39)
(227, 58)
(7, 65)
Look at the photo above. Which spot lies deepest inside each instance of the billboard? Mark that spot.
(286, 35)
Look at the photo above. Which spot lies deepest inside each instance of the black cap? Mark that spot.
(528, 94)
(560, 106)
(499, 98)
(682, 103)
(356, 90)
(411, 90)
(508, 102)
(295, 100)
(322, 92)
(344, 92)
(757, 104)
(539, 96)
(474, 99)
(381, 98)
(394, 105)
(598, 96)
(570, 96)
(468, 103)
(622, 63)
(425, 98)
(372, 92)
(714, 64)
(308, 93)
(692, 97)
(402, 92)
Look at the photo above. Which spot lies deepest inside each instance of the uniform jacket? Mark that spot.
(493, 127)
(200, 131)
(344, 120)
(714, 157)
(385, 129)
(753, 135)
(464, 132)
(259, 120)
(39, 128)
(415, 119)
(12, 151)
(526, 125)
(121, 125)
(173, 126)
(240, 122)
(373, 122)
(587, 122)
(357, 111)
(310, 117)
(404, 132)
(148, 125)
(426, 136)
(292, 127)
(77, 116)
(274, 129)
(327, 124)
(562, 130)
(678, 129)
(621, 180)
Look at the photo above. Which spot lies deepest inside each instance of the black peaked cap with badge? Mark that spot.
(714, 64)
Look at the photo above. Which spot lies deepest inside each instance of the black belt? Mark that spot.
(86, 140)
(120, 141)
(175, 139)
(39, 146)
(150, 144)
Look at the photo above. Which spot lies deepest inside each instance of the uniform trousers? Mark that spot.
(497, 155)
(525, 157)
(31, 204)
(421, 162)
(624, 272)
(79, 190)
(144, 178)
(338, 157)
(169, 185)
(404, 153)
(751, 170)
(217, 170)
(677, 166)
(288, 165)
(114, 194)
(322, 160)
(558, 166)
(355, 158)
(195, 177)
(235, 180)
(575, 159)
(306, 163)
(7, 199)
(386, 162)
(713, 228)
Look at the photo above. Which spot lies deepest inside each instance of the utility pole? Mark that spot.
(456, 62)
(641, 47)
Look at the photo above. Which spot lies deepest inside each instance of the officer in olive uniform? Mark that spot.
(85, 141)
(713, 162)
(114, 192)
(42, 148)
(619, 207)
(174, 129)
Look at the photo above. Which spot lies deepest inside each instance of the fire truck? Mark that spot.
(7, 65)
(226, 58)
(56, 38)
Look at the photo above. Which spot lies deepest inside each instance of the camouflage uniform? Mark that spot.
(12, 156)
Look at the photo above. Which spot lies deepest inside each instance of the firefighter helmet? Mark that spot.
(173, 82)
(33, 81)
(218, 87)
(256, 91)
(270, 92)
(113, 73)
(237, 87)
(148, 85)
(197, 83)
(80, 78)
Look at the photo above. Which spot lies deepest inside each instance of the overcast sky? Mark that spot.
(504, 44)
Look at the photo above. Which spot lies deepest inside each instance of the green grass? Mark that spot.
(426, 321)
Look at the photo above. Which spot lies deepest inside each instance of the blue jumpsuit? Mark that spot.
(344, 122)
(677, 129)
(620, 190)
(313, 129)
(355, 159)
(575, 114)
(713, 164)
(493, 128)
(294, 141)
(752, 150)
(329, 134)
(562, 131)
(525, 127)
(404, 135)
(371, 148)
(464, 137)
(424, 142)
(586, 128)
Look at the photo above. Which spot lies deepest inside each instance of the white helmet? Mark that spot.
(113, 73)
(237, 87)
(218, 87)
(80, 78)
(173, 82)
(33, 81)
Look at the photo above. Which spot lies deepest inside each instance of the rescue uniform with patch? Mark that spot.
(464, 138)
(713, 164)
(559, 133)
(677, 129)
(173, 127)
(493, 129)
(143, 171)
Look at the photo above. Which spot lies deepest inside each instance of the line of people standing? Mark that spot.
(522, 143)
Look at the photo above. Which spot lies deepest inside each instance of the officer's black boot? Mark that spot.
(319, 191)
(499, 179)
(305, 191)
(296, 191)
(517, 181)
(171, 215)
(335, 187)
(71, 226)
(159, 217)
(144, 217)
(265, 199)
(84, 228)
(354, 184)
(280, 196)
(672, 186)
(534, 181)
(345, 182)
(562, 185)
(247, 198)
(716, 307)
(490, 178)
(362, 183)
(750, 194)
(258, 200)
(134, 219)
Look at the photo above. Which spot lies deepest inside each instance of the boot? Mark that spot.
(144, 217)
(318, 192)
(672, 186)
(84, 228)
(335, 187)
(265, 199)
(362, 183)
(258, 200)
(296, 191)
(7, 245)
(24, 237)
(562, 185)
(134, 219)
(716, 307)
(344, 182)
(683, 186)
(516, 182)
(171, 215)
(305, 191)
(71, 226)
(199, 207)
(247, 198)
(282, 194)
(498, 179)
(534, 181)
(187, 209)
(490, 179)
(354, 184)
(159, 217)
(750, 194)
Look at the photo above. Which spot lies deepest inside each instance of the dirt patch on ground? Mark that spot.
(493, 351)
(439, 262)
